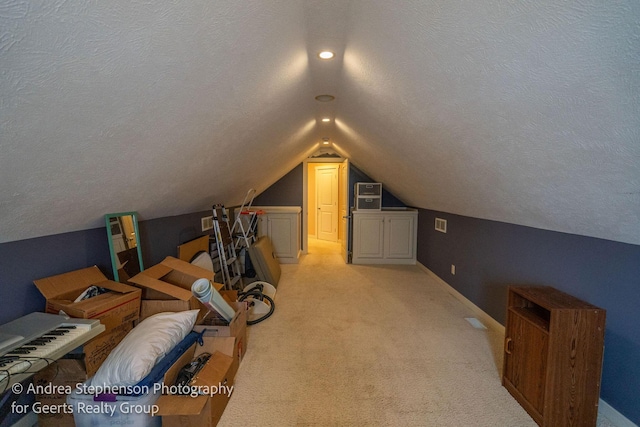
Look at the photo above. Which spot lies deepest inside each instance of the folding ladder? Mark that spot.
(245, 225)
(229, 263)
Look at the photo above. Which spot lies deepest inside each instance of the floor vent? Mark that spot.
(475, 323)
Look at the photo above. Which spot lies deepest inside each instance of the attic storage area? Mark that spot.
(517, 124)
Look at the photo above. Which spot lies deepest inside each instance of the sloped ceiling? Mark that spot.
(522, 112)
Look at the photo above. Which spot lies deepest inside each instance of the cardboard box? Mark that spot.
(214, 327)
(51, 382)
(120, 305)
(116, 309)
(200, 411)
(117, 409)
(231, 338)
(234, 346)
(167, 287)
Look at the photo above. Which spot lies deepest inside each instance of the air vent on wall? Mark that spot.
(441, 225)
(207, 223)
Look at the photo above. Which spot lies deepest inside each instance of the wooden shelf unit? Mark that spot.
(553, 351)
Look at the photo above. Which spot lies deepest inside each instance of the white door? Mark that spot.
(344, 210)
(327, 203)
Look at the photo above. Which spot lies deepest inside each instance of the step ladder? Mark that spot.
(230, 266)
(245, 225)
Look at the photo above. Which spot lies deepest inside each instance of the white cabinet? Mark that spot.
(385, 237)
(282, 225)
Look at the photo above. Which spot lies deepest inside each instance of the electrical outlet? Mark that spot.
(453, 269)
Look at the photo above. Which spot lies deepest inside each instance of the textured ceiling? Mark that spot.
(522, 112)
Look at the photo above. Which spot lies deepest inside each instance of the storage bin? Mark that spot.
(368, 189)
(368, 203)
(121, 411)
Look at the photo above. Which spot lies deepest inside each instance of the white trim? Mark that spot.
(305, 194)
(487, 320)
(305, 207)
(615, 418)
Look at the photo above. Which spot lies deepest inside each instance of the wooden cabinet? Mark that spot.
(385, 237)
(553, 355)
(282, 225)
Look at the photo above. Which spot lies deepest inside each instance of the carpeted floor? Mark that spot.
(353, 345)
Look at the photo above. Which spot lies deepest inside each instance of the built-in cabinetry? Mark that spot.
(385, 237)
(282, 225)
(553, 351)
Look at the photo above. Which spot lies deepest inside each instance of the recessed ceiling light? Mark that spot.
(326, 54)
(325, 98)
(325, 141)
(326, 119)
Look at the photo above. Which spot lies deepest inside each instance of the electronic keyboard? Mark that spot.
(34, 341)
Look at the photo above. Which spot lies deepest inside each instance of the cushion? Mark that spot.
(143, 347)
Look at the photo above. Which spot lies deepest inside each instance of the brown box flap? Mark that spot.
(188, 250)
(180, 405)
(157, 271)
(172, 373)
(188, 268)
(176, 292)
(173, 277)
(78, 280)
(215, 371)
(213, 374)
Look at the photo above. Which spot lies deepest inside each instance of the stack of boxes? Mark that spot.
(163, 287)
(117, 309)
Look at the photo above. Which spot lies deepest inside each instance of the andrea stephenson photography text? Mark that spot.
(108, 407)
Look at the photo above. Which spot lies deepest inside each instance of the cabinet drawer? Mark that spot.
(368, 189)
(368, 203)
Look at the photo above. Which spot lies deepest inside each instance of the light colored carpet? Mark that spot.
(353, 345)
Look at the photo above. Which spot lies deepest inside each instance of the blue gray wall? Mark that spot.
(491, 255)
(356, 175)
(488, 256)
(23, 261)
(287, 191)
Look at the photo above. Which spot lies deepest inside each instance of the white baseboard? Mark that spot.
(614, 417)
(604, 409)
(487, 320)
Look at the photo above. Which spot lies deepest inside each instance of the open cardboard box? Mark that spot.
(121, 304)
(199, 411)
(228, 338)
(216, 327)
(116, 309)
(167, 287)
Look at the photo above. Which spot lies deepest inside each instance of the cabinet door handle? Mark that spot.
(507, 348)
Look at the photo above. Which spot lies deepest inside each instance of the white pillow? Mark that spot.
(143, 347)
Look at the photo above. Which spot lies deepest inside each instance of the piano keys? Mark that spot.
(34, 341)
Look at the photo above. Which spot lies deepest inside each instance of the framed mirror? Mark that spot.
(124, 245)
